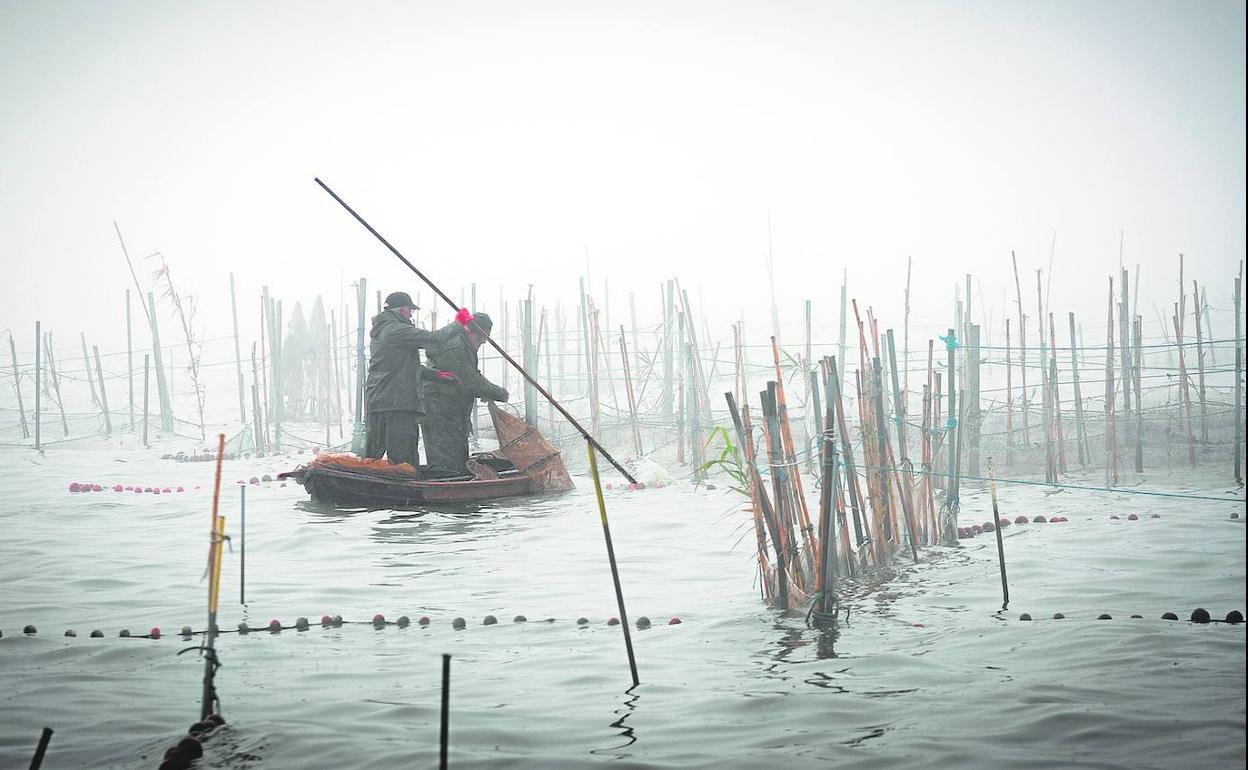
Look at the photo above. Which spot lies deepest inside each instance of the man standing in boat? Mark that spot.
(394, 399)
(453, 382)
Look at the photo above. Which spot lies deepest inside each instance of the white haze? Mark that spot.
(499, 142)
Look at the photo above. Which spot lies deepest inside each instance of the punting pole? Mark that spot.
(242, 545)
(528, 377)
(444, 732)
(615, 572)
(36, 761)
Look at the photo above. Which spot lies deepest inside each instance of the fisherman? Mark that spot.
(393, 393)
(453, 383)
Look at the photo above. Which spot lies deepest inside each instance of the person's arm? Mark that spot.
(472, 380)
(406, 336)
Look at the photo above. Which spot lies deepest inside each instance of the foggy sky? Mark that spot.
(497, 142)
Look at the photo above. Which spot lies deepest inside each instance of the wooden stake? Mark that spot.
(1111, 432)
(17, 388)
(147, 365)
(129, 362)
(162, 385)
(1200, 365)
(1057, 397)
(99, 373)
(238, 356)
(1022, 355)
(1081, 433)
(38, 382)
(56, 382)
(1238, 418)
(1184, 390)
(1139, 402)
(628, 385)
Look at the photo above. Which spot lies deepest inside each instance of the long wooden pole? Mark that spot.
(1184, 390)
(56, 382)
(147, 365)
(545, 393)
(1009, 399)
(615, 570)
(208, 702)
(1238, 417)
(1111, 433)
(632, 403)
(130, 361)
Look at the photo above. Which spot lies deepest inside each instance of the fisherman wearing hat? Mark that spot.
(452, 383)
(393, 392)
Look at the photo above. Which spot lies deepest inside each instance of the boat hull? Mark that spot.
(355, 489)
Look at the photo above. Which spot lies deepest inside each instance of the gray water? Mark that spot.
(927, 672)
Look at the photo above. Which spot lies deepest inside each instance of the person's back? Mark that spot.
(393, 400)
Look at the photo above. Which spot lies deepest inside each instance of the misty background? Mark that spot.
(530, 143)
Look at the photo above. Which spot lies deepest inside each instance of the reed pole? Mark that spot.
(17, 388)
(99, 373)
(764, 515)
(784, 545)
(130, 360)
(1081, 433)
(1200, 366)
(38, 382)
(1022, 355)
(238, 356)
(147, 366)
(825, 596)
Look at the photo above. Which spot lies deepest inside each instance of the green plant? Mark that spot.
(729, 461)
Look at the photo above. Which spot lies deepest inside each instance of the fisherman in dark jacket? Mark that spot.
(452, 383)
(393, 393)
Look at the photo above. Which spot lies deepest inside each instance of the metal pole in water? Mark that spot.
(242, 545)
(446, 709)
(615, 572)
(37, 760)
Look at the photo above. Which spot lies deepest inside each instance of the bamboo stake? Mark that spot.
(1139, 402)
(784, 560)
(259, 437)
(1111, 434)
(86, 364)
(56, 383)
(129, 362)
(851, 474)
(17, 388)
(1213, 348)
(1081, 432)
(147, 365)
(209, 701)
(528, 356)
(1200, 366)
(906, 482)
(1050, 467)
(1009, 400)
(108, 420)
(628, 385)
(615, 572)
(764, 519)
(948, 524)
(1238, 417)
(905, 342)
(1184, 391)
(1057, 397)
(38, 383)
(996, 517)
(1022, 355)
(238, 356)
(162, 385)
(790, 456)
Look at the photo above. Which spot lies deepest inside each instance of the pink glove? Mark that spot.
(464, 317)
(448, 375)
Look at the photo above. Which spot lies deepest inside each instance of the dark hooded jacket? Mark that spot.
(454, 353)
(394, 363)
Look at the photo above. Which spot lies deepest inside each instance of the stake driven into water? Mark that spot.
(216, 538)
(445, 730)
(996, 520)
(615, 572)
(528, 377)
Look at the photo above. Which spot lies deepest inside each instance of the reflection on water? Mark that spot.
(627, 707)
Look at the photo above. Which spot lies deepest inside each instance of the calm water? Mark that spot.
(734, 685)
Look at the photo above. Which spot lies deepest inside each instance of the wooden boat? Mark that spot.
(524, 464)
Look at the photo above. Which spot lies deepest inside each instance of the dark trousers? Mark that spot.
(396, 435)
(446, 430)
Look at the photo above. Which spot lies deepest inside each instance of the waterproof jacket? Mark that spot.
(394, 363)
(454, 353)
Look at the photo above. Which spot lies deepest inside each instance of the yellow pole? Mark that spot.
(615, 572)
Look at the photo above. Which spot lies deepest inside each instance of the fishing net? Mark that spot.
(532, 454)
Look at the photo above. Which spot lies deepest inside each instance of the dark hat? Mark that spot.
(399, 299)
(483, 322)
